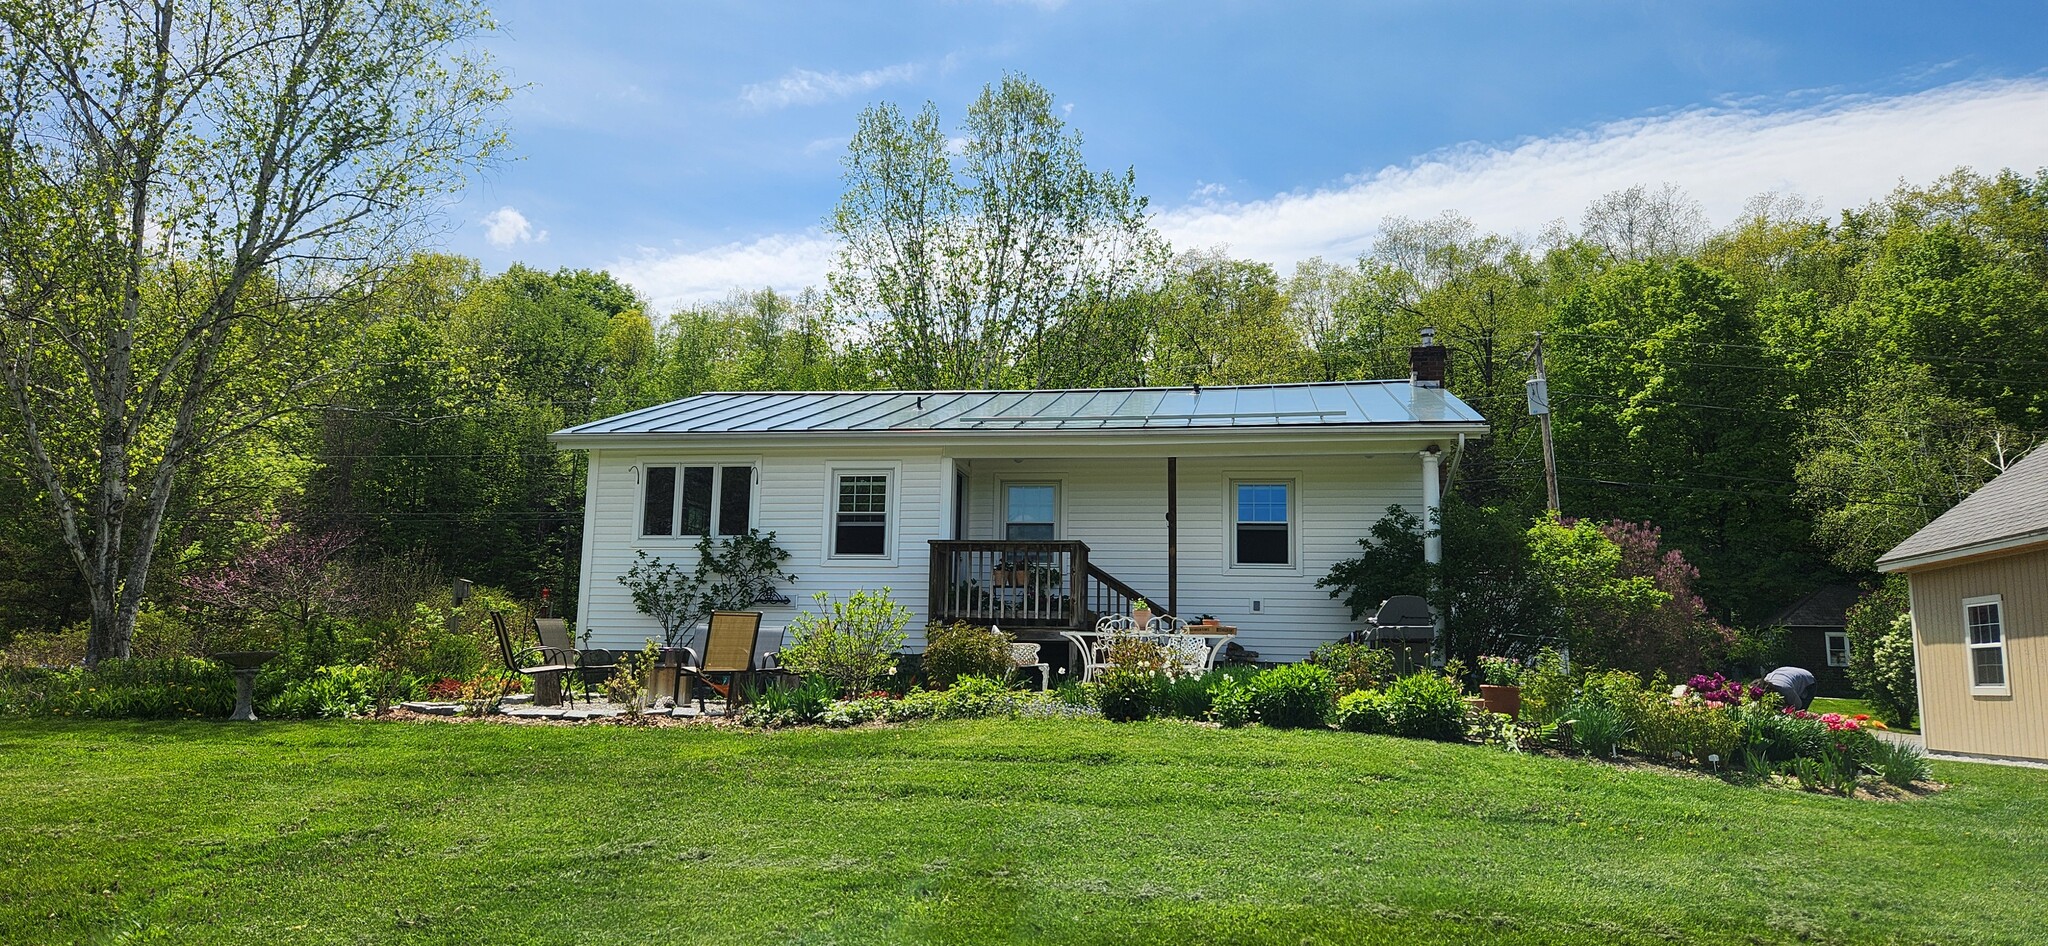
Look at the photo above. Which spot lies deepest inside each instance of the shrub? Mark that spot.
(1364, 711)
(1596, 727)
(339, 691)
(1879, 626)
(628, 681)
(1546, 688)
(960, 650)
(1293, 696)
(853, 643)
(1230, 701)
(121, 689)
(1125, 694)
(1900, 763)
(806, 702)
(1887, 679)
(1426, 706)
(1355, 666)
(1500, 671)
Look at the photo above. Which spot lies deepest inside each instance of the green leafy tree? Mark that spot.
(195, 193)
(969, 262)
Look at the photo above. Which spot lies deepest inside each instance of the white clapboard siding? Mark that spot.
(791, 501)
(1118, 507)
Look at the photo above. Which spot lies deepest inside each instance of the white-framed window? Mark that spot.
(690, 500)
(1262, 522)
(861, 510)
(1838, 648)
(1031, 512)
(1984, 632)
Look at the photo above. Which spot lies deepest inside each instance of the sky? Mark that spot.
(694, 148)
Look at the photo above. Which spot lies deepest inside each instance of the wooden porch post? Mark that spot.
(1173, 536)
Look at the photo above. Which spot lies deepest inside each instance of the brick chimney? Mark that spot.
(1426, 362)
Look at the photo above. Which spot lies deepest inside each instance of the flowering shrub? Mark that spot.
(1718, 691)
(1500, 671)
(853, 643)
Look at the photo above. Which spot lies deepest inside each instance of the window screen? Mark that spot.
(1028, 512)
(861, 516)
(658, 510)
(1262, 527)
(735, 499)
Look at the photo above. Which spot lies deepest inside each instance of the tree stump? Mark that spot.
(547, 688)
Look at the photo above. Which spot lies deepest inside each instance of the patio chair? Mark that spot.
(553, 665)
(593, 666)
(728, 652)
(1094, 645)
(1025, 657)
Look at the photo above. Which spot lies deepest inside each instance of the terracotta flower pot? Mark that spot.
(1141, 617)
(1506, 700)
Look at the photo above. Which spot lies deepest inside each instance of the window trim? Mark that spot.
(1970, 649)
(1828, 640)
(892, 513)
(717, 465)
(1059, 505)
(1292, 481)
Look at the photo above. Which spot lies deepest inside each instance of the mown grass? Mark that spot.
(967, 832)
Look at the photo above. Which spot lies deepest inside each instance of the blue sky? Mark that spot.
(694, 147)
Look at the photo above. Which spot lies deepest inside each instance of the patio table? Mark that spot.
(1092, 646)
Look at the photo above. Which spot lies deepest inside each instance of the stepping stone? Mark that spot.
(536, 712)
(433, 709)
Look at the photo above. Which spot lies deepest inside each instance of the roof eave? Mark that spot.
(1987, 548)
(571, 439)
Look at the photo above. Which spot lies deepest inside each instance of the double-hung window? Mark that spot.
(1838, 648)
(1262, 515)
(697, 500)
(860, 514)
(1984, 630)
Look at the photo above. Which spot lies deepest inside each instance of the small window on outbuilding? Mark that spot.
(1984, 630)
(1838, 648)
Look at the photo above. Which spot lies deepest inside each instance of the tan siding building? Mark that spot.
(1979, 578)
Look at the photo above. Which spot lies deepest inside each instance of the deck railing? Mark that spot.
(1049, 584)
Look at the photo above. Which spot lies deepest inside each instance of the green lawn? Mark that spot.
(995, 831)
(1847, 707)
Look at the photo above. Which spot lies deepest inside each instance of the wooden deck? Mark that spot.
(1047, 585)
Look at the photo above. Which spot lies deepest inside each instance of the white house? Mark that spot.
(1035, 510)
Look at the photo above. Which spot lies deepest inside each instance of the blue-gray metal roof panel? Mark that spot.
(1332, 404)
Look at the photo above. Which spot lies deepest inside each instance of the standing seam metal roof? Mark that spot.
(1334, 404)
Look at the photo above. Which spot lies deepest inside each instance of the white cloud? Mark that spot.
(1842, 153)
(506, 226)
(807, 87)
(784, 262)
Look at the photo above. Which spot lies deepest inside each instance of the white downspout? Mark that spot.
(1432, 508)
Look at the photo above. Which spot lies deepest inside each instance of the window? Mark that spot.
(860, 515)
(682, 500)
(1030, 512)
(1838, 648)
(1984, 629)
(1262, 512)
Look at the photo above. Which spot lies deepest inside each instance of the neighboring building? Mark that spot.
(1033, 510)
(1979, 577)
(1819, 637)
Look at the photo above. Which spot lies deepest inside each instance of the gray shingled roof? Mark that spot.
(1826, 606)
(1337, 404)
(2014, 505)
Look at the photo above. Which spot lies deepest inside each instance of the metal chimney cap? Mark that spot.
(1428, 335)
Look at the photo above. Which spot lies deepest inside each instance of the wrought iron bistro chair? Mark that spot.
(1094, 645)
(1191, 652)
(547, 675)
(1025, 657)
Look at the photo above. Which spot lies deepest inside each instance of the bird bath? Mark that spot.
(244, 663)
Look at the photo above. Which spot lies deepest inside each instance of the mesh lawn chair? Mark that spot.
(593, 667)
(728, 653)
(550, 666)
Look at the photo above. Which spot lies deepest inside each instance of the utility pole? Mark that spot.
(1539, 405)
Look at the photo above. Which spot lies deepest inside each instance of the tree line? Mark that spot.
(1784, 396)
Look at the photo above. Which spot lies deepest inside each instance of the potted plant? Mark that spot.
(1010, 573)
(1141, 613)
(1502, 690)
